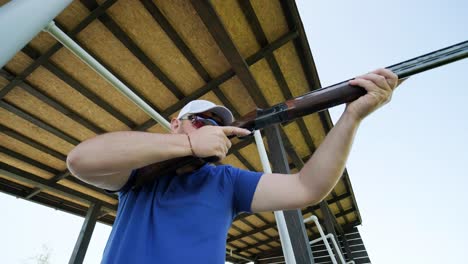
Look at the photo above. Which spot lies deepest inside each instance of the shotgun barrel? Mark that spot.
(324, 98)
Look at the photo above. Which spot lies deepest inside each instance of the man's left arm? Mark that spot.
(323, 170)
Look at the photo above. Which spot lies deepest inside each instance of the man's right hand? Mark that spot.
(211, 141)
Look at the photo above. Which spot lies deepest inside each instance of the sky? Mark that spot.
(407, 163)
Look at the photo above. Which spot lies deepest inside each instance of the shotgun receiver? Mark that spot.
(311, 102)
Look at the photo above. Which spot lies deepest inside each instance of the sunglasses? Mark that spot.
(199, 120)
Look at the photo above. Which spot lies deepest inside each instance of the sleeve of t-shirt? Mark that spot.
(244, 186)
(130, 182)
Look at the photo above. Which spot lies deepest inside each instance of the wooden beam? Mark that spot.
(213, 23)
(243, 160)
(345, 212)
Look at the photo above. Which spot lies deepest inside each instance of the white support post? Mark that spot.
(279, 216)
(22, 20)
(322, 237)
(106, 74)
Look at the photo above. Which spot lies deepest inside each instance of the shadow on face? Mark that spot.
(186, 126)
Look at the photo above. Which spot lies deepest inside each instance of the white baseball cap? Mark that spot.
(200, 106)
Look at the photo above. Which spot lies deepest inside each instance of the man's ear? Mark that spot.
(175, 124)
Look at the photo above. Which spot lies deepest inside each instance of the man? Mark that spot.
(185, 218)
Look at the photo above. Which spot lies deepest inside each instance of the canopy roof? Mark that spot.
(240, 54)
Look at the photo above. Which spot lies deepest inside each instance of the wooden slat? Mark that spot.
(89, 94)
(26, 116)
(136, 51)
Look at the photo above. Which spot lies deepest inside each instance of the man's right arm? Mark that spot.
(107, 160)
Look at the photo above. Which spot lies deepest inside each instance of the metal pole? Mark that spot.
(86, 232)
(328, 215)
(279, 216)
(327, 218)
(294, 219)
(349, 253)
(106, 74)
(22, 20)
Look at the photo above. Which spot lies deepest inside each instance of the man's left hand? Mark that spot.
(379, 85)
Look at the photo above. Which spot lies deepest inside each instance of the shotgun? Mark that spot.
(311, 102)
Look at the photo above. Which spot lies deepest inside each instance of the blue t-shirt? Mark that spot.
(180, 219)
